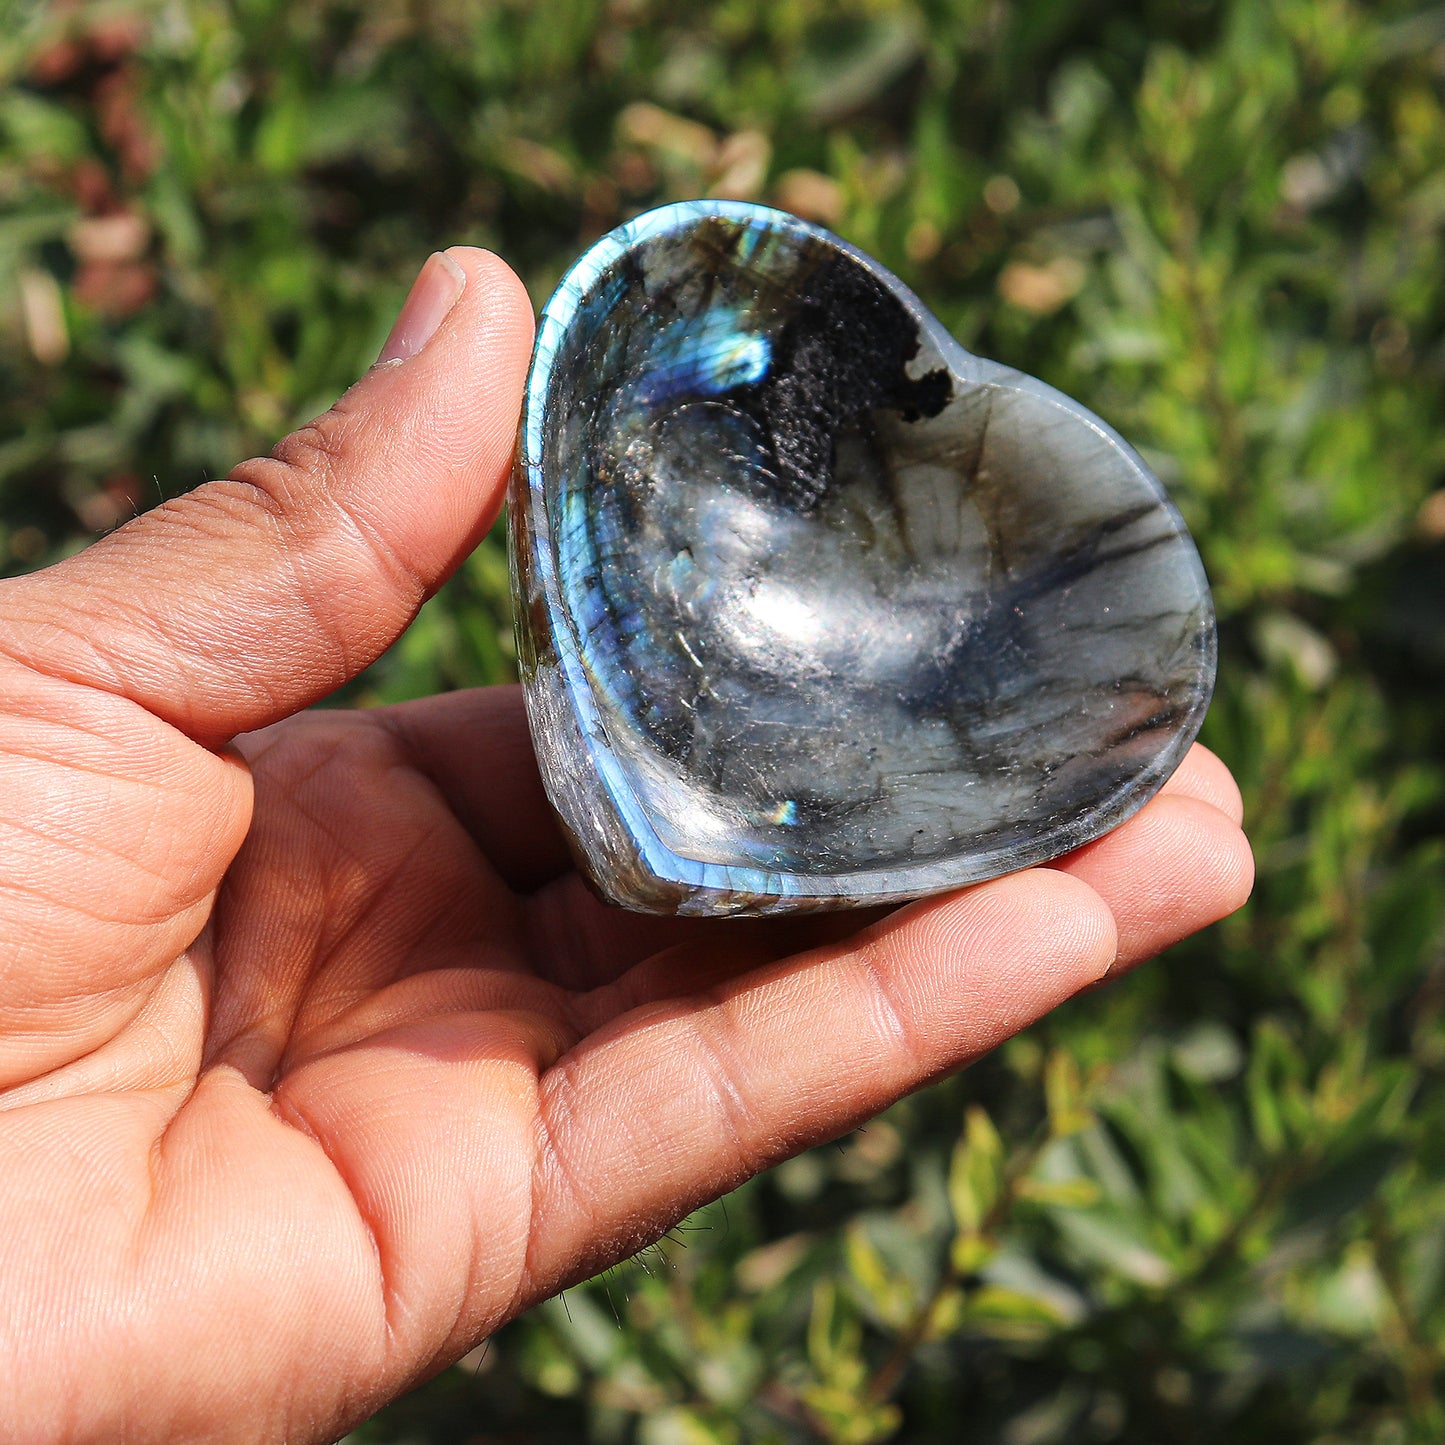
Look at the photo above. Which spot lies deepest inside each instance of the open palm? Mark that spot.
(317, 1061)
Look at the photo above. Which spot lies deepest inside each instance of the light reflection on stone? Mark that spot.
(815, 608)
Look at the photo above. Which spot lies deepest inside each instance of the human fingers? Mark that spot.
(249, 598)
(475, 749)
(1176, 866)
(1203, 776)
(703, 1075)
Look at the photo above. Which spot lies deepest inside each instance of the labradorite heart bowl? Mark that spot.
(814, 607)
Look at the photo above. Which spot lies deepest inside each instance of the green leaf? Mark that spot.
(1064, 1092)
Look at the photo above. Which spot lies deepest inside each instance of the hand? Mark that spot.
(317, 1063)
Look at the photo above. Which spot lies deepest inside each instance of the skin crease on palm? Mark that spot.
(317, 1061)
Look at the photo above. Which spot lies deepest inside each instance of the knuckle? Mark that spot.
(307, 462)
(303, 483)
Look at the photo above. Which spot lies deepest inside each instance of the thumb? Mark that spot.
(249, 598)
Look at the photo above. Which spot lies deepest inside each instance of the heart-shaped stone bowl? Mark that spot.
(814, 607)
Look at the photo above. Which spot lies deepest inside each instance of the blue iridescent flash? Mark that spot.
(816, 609)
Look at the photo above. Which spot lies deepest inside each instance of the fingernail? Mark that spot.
(437, 288)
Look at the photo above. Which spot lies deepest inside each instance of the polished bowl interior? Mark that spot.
(838, 609)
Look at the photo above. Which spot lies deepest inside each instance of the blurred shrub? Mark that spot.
(1206, 1205)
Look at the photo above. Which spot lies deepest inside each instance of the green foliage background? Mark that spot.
(1204, 1205)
